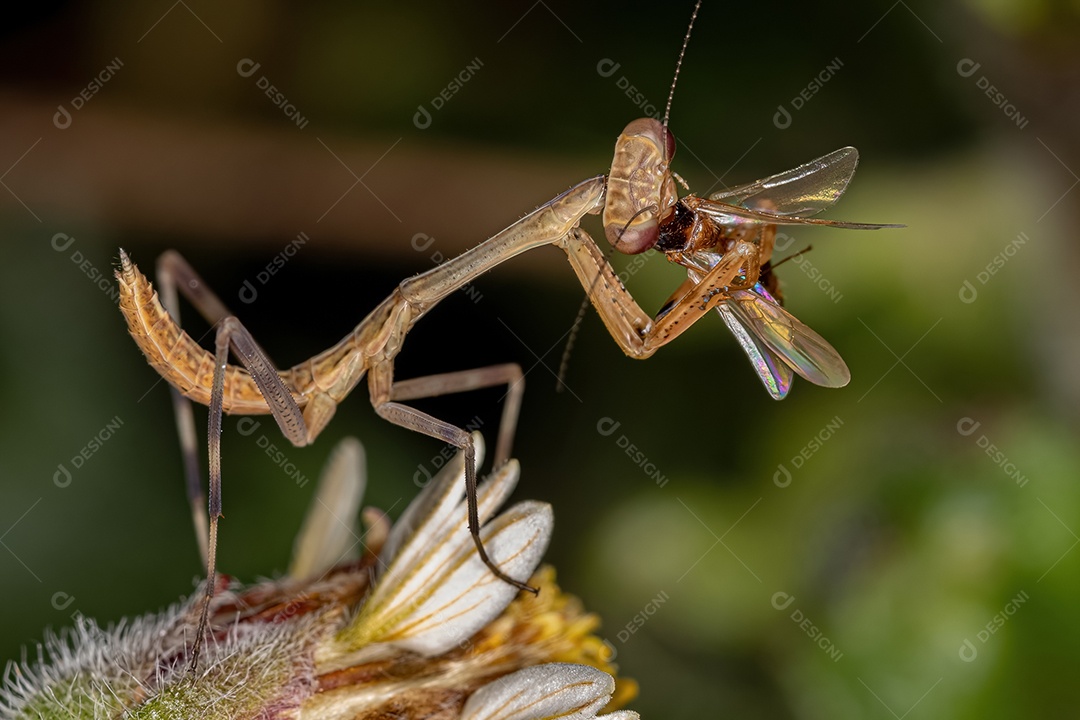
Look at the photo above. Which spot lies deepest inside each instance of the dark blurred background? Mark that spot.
(900, 547)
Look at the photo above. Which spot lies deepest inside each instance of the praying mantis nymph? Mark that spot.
(724, 241)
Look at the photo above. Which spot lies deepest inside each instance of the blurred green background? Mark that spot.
(901, 547)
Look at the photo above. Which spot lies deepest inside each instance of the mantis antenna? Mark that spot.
(678, 63)
(564, 362)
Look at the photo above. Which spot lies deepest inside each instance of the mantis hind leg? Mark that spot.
(176, 275)
(231, 334)
(173, 274)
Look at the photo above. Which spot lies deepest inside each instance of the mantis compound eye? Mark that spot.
(640, 188)
(633, 237)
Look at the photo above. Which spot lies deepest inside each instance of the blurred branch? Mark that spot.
(140, 173)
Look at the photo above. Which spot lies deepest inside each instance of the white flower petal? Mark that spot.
(442, 535)
(437, 592)
(620, 715)
(555, 690)
(442, 493)
(468, 595)
(329, 528)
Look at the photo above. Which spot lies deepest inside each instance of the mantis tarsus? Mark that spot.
(725, 242)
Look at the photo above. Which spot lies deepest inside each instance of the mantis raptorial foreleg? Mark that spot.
(637, 334)
(707, 294)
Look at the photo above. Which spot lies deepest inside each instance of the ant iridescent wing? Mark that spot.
(775, 341)
(781, 343)
(789, 198)
(803, 191)
(770, 367)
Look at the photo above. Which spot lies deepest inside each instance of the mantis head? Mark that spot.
(641, 191)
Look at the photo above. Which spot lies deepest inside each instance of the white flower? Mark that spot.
(328, 534)
(437, 633)
(436, 591)
(556, 690)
